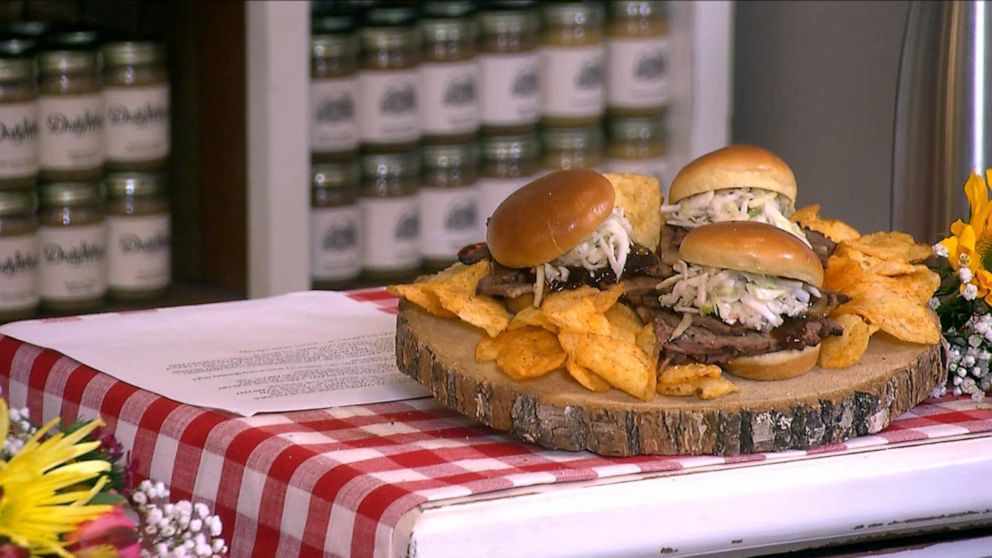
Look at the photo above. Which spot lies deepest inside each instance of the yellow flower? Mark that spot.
(971, 243)
(42, 495)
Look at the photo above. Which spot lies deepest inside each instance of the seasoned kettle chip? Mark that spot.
(622, 364)
(893, 246)
(686, 389)
(481, 311)
(846, 350)
(901, 318)
(647, 340)
(575, 311)
(683, 373)
(585, 378)
(639, 197)
(604, 300)
(833, 229)
(421, 295)
(624, 322)
(488, 348)
(531, 316)
(531, 354)
(711, 388)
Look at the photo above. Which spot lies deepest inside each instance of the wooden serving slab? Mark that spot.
(821, 407)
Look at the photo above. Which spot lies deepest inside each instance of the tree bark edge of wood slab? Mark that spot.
(820, 408)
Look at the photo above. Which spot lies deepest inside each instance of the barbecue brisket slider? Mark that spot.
(756, 291)
(734, 183)
(562, 231)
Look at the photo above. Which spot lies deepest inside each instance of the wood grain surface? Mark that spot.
(821, 407)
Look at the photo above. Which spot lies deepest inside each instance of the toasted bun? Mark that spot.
(754, 248)
(734, 166)
(549, 217)
(779, 365)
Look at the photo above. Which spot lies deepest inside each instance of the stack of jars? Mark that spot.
(84, 136)
(424, 121)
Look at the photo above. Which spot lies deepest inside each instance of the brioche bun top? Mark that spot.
(734, 166)
(549, 217)
(753, 248)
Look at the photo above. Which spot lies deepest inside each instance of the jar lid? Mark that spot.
(512, 20)
(384, 166)
(122, 184)
(17, 59)
(71, 193)
(447, 8)
(133, 52)
(81, 38)
(332, 24)
(335, 175)
(327, 45)
(451, 29)
(25, 29)
(629, 9)
(572, 139)
(445, 156)
(635, 128)
(13, 202)
(67, 60)
(388, 37)
(573, 13)
(501, 147)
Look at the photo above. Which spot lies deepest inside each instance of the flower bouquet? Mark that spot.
(68, 492)
(964, 300)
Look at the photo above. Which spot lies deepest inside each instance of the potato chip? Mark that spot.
(686, 373)
(624, 323)
(421, 295)
(677, 390)
(893, 246)
(518, 303)
(460, 277)
(711, 388)
(835, 230)
(841, 273)
(586, 378)
(622, 364)
(481, 311)
(604, 300)
(647, 340)
(531, 316)
(488, 348)
(847, 349)
(640, 197)
(530, 354)
(915, 288)
(903, 319)
(574, 311)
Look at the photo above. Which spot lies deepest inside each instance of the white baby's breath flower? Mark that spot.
(965, 274)
(970, 292)
(940, 250)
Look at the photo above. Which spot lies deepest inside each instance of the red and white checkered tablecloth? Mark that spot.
(336, 482)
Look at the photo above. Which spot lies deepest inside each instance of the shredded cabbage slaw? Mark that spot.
(608, 245)
(757, 301)
(734, 204)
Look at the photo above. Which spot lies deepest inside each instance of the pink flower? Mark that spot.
(113, 528)
(10, 550)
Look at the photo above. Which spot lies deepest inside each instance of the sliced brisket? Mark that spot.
(506, 282)
(671, 238)
(822, 246)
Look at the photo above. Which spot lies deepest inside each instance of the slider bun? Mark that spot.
(734, 166)
(549, 217)
(779, 365)
(754, 248)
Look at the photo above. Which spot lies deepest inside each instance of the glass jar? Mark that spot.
(448, 202)
(572, 88)
(335, 222)
(333, 89)
(18, 255)
(509, 161)
(136, 101)
(73, 237)
(387, 81)
(390, 212)
(18, 115)
(636, 145)
(139, 251)
(509, 75)
(571, 148)
(70, 116)
(637, 57)
(448, 74)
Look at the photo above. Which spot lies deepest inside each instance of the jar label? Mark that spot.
(510, 88)
(449, 98)
(70, 131)
(18, 139)
(139, 252)
(638, 72)
(390, 233)
(449, 220)
(137, 121)
(335, 252)
(492, 192)
(333, 122)
(387, 106)
(573, 81)
(656, 167)
(18, 272)
(73, 262)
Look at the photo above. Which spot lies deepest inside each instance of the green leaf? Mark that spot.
(108, 498)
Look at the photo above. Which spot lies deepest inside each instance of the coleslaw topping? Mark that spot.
(734, 204)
